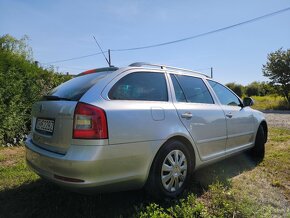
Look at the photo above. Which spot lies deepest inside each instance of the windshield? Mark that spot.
(75, 88)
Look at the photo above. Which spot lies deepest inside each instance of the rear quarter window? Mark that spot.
(142, 86)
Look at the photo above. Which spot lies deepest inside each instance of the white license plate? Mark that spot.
(44, 125)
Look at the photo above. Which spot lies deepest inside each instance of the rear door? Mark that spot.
(204, 119)
(240, 122)
(138, 107)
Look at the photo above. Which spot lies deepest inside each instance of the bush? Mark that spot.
(22, 83)
(237, 88)
(252, 90)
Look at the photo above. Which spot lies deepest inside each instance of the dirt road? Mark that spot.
(278, 118)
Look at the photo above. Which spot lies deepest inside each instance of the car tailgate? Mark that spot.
(52, 125)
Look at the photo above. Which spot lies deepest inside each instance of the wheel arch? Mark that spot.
(187, 143)
(182, 139)
(152, 170)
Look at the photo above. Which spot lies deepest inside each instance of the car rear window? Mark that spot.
(75, 88)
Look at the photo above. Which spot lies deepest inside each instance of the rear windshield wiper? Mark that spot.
(55, 98)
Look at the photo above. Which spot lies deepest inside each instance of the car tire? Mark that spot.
(171, 170)
(258, 151)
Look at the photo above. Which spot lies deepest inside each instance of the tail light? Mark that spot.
(90, 122)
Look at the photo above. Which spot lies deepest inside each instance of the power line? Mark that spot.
(206, 33)
(64, 67)
(183, 39)
(75, 58)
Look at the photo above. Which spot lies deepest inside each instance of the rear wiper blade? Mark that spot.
(56, 98)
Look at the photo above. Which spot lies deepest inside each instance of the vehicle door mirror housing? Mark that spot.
(247, 101)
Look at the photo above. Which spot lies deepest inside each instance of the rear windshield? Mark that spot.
(75, 88)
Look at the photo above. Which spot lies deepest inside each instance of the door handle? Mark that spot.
(229, 115)
(186, 115)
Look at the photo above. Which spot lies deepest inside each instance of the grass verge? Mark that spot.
(235, 187)
(270, 102)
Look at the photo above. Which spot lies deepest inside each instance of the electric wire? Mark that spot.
(204, 34)
(75, 58)
(182, 39)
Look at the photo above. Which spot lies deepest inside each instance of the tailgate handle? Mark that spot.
(186, 115)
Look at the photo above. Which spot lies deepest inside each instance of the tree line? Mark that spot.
(254, 89)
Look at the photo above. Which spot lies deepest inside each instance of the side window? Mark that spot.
(225, 96)
(143, 86)
(194, 89)
(178, 91)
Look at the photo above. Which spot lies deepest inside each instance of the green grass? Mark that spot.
(270, 102)
(235, 187)
(277, 162)
(13, 170)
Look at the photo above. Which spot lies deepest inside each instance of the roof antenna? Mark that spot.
(109, 62)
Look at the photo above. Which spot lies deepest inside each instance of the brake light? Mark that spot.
(88, 72)
(90, 122)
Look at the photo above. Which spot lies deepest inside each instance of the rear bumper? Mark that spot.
(100, 168)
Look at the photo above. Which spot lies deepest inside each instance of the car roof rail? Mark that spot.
(164, 67)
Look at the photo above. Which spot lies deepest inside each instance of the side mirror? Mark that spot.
(248, 101)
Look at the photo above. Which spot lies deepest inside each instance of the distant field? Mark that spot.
(270, 102)
(235, 187)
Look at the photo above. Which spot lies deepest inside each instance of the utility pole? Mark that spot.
(211, 72)
(109, 53)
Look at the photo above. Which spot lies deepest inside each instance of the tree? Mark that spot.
(237, 88)
(16, 46)
(267, 88)
(253, 89)
(277, 69)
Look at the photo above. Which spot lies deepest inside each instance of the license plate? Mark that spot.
(44, 126)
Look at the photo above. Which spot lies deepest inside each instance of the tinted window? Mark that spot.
(194, 89)
(144, 86)
(178, 91)
(225, 96)
(76, 87)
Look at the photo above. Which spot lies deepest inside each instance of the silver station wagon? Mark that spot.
(144, 125)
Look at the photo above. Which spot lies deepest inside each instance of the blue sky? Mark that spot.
(63, 29)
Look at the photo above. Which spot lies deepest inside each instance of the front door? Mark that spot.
(240, 123)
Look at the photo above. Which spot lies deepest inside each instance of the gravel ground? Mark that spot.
(278, 118)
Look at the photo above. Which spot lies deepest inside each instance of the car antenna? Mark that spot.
(108, 61)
